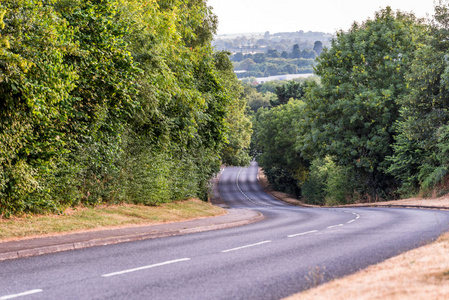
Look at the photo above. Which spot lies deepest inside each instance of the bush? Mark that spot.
(327, 183)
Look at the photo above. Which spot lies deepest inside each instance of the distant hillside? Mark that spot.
(262, 42)
(265, 54)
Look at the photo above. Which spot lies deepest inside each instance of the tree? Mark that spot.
(113, 100)
(272, 70)
(247, 64)
(418, 160)
(318, 47)
(238, 136)
(259, 58)
(287, 91)
(352, 115)
(34, 97)
(238, 57)
(273, 53)
(256, 99)
(103, 98)
(308, 54)
(296, 52)
(274, 139)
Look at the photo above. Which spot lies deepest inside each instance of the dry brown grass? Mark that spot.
(421, 273)
(439, 202)
(105, 217)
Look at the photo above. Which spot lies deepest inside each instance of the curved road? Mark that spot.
(291, 250)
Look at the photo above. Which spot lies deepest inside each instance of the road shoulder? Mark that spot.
(72, 241)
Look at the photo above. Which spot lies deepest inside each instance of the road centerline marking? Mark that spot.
(241, 191)
(145, 267)
(12, 296)
(302, 233)
(246, 246)
(330, 227)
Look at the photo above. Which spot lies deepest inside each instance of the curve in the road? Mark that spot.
(294, 248)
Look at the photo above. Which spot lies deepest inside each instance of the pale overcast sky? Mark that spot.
(242, 16)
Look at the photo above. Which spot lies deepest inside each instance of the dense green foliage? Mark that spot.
(375, 126)
(113, 101)
(273, 140)
(351, 116)
(275, 131)
(420, 158)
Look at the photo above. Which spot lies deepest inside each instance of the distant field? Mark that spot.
(283, 77)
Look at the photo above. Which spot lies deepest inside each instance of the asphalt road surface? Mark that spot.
(291, 250)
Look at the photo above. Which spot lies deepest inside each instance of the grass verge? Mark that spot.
(105, 217)
(422, 273)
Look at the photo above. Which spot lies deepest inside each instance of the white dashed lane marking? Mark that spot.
(246, 246)
(302, 233)
(12, 296)
(333, 226)
(145, 267)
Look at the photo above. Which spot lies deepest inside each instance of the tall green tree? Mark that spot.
(419, 160)
(351, 116)
(103, 98)
(296, 52)
(318, 47)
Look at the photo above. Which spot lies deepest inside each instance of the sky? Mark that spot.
(246, 16)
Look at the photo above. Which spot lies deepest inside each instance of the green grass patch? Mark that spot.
(102, 217)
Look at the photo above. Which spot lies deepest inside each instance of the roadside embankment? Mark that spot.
(419, 202)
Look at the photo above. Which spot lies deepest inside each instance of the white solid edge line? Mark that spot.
(339, 225)
(247, 246)
(145, 267)
(20, 294)
(351, 221)
(303, 233)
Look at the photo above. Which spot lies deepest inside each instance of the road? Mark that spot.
(291, 250)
